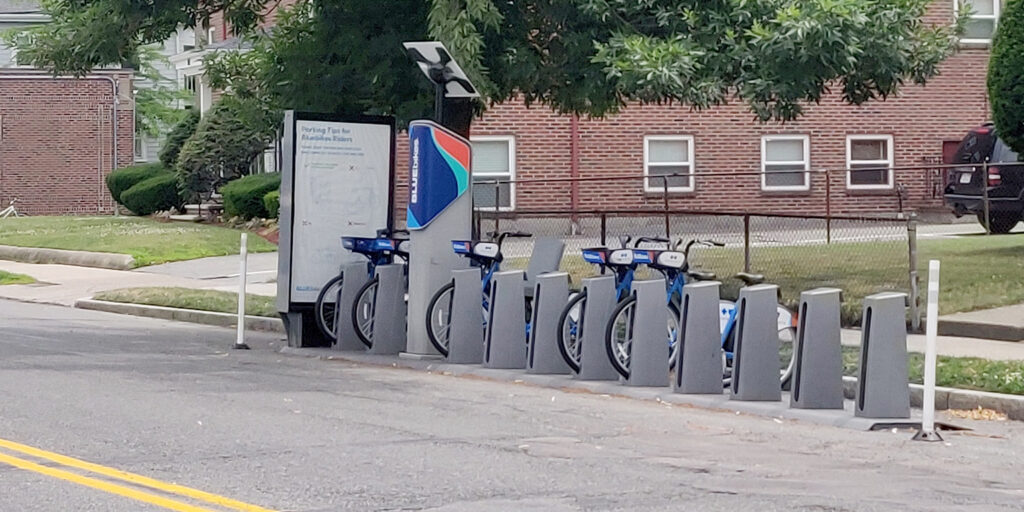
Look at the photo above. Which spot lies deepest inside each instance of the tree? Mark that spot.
(177, 138)
(1006, 76)
(226, 141)
(156, 97)
(580, 56)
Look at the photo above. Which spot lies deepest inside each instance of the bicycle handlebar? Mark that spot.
(650, 239)
(709, 243)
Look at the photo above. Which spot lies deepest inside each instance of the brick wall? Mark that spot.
(728, 140)
(57, 143)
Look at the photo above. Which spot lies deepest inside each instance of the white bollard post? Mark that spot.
(927, 432)
(242, 275)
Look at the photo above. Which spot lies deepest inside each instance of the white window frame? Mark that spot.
(649, 185)
(996, 11)
(806, 163)
(511, 140)
(887, 163)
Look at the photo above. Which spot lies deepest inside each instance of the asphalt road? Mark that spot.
(171, 402)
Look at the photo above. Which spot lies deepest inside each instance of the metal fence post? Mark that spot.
(604, 229)
(915, 311)
(984, 195)
(668, 227)
(746, 243)
(828, 207)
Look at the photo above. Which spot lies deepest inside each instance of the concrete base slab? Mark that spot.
(776, 409)
(1003, 324)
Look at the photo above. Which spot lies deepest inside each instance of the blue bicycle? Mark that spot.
(674, 265)
(484, 255)
(622, 266)
(381, 250)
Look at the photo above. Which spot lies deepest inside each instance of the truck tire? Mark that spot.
(1000, 223)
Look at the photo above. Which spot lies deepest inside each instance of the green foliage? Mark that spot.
(339, 57)
(156, 96)
(581, 56)
(87, 34)
(152, 195)
(120, 180)
(227, 139)
(177, 137)
(272, 202)
(1006, 76)
(244, 197)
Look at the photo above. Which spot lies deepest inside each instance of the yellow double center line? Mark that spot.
(120, 490)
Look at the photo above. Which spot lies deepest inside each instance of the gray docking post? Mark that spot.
(818, 359)
(550, 295)
(648, 358)
(389, 311)
(505, 340)
(699, 358)
(466, 321)
(755, 365)
(882, 382)
(356, 275)
(594, 364)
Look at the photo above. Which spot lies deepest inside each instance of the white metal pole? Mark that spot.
(242, 274)
(931, 332)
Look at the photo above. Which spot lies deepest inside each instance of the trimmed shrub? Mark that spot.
(153, 195)
(272, 202)
(229, 137)
(176, 139)
(127, 177)
(244, 196)
(1006, 76)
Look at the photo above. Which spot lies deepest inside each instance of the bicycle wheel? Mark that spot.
(787, 338)
(325, 309)
(439, 315)
(570, 332)
(363, 311)
(619, 334)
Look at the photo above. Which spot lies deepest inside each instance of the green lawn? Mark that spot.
(150, 242)
(956, 372)
(9, 278)
(186, 298)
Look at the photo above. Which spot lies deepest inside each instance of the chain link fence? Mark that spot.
(860, 255)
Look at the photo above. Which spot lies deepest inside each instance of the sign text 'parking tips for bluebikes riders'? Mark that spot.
(439, 171)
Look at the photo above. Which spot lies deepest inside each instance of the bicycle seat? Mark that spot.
(700, 275)
(750, 279)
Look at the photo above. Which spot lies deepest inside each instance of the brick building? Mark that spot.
(730, 148)
(59, 136)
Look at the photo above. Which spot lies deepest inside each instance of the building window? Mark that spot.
(780, 156)
(140, 148)
(668, 155)
(869, 161)
(494, 158)
(982, 20)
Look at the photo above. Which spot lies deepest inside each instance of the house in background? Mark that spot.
(60, 136)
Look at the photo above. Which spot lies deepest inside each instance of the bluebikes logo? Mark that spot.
(438, 171)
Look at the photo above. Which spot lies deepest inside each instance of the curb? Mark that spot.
(111, 261)
(945, 398)
(255, 323)
(971, 329)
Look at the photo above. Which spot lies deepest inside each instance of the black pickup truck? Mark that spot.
(967, 182)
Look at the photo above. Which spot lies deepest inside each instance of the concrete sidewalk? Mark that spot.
(65, 284)
(1005, 323)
